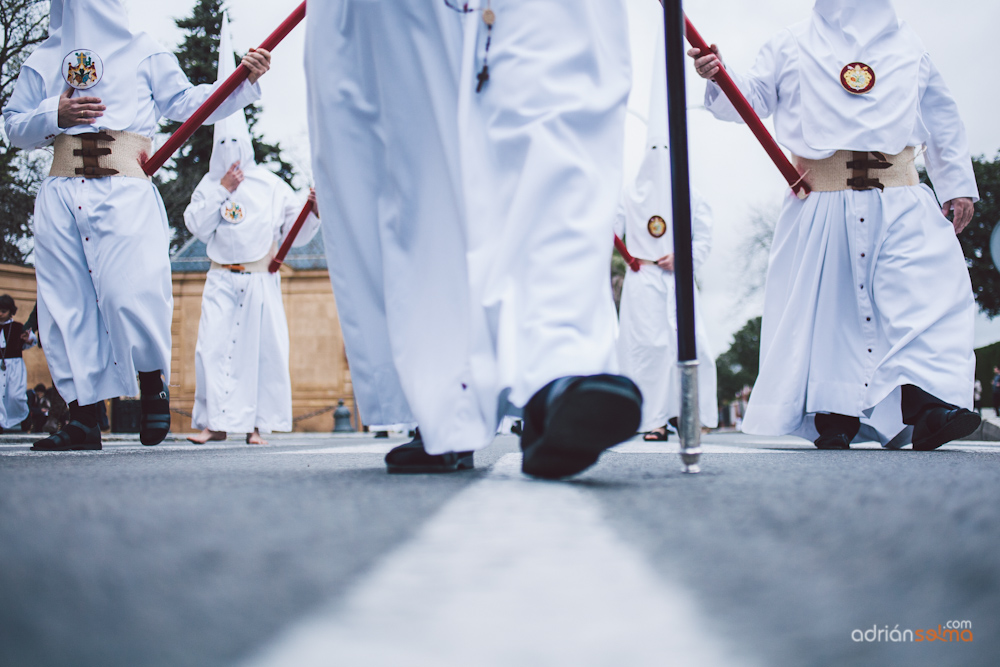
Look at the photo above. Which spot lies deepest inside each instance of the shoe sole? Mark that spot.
(964, 425)
(832, 446)
(464, 463)
(589, 421)
(74, 448)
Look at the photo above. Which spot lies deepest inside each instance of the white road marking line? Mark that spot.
(707, 448)
(510, 572)
(381, 448)
(630, 447)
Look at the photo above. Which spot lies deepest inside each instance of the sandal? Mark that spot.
(72, 437)
(155, 422)
(657, 435)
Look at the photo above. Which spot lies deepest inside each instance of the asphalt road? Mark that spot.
(306, 552)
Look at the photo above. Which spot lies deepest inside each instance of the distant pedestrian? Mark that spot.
(977, 396)
(14, 339)
(37, 410)
(995, 385)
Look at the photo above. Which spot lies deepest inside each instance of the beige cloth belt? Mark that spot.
(260, 266)
(105, 153)
(857, 170)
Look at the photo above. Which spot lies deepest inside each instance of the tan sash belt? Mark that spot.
(259, 266)
(105, 153)
(857, 170)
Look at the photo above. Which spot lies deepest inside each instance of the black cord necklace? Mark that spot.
(489, 18)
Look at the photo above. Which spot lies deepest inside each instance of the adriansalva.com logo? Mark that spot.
(952, 631)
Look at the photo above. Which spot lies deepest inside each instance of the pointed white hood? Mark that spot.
(649, 195)
(231, 141)
(842, 32)
(97, 32)
(258, 196)
(860, 21)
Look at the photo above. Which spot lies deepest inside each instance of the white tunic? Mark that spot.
(469, 234)
(647, 340)
(14, 384)
(242, 380)
(866, 291)
(101, 244)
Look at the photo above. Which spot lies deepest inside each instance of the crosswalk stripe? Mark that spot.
(510, 572)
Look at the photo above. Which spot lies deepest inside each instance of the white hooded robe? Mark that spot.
(647, 339)
(866, 290)
(105, 300)
(242, 380)
(469, 233)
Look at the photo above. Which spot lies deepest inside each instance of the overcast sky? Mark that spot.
(728, 165)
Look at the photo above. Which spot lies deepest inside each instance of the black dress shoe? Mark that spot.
(571, 421)
(155, 422)
(411, 459)
(833, 441)
(72, 437)
(940, 425)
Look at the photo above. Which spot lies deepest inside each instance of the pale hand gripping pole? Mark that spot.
(184, 132)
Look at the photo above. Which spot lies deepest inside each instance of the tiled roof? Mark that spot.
(191, 257)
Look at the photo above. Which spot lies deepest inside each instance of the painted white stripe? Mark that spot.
(640, 447)
(510, 572)
(379, 448)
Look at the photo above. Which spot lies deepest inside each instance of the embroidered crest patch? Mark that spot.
(233, 212)
(857, 78)
(83, 69)
(657, 226)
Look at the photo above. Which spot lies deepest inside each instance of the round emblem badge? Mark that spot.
(857, 78)
(233, 212)
(82, 69)
(657, 226)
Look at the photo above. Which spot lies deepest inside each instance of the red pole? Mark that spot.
(184, 132)
(732, 91)
(286, 245)
(632, 262)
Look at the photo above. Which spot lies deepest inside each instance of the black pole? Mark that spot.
(673, 21)
(680, 182)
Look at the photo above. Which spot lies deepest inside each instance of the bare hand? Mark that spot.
(312, 200)
(963, 209)
(666, 262)
(258, 61)
(232, 178)
(75, 111)
(26, 336)
(707, 65)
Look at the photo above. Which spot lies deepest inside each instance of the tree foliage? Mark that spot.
(198, 55)
(739, 365)
(24, 24)
(976, 237)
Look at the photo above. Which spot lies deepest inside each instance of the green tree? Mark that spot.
(739, 365)
(24, 24)
(975, 239)
(199, 56)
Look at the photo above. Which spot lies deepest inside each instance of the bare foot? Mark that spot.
(207, 435)
(255, 439)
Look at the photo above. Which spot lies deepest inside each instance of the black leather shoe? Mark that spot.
(940, 425)
(411, 459)
(571, 421)
(72, 437)
(155, 422)
(833, 441)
